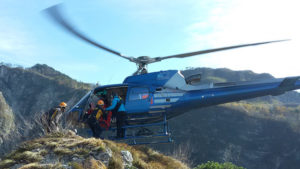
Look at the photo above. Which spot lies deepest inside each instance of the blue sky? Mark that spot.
(152, 28)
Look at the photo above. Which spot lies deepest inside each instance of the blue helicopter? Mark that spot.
(151, 99)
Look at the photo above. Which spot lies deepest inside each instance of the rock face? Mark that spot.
(7, 124)
(29, 92)
(67, 150)
(127, 158)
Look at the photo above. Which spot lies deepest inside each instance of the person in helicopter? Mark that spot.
(105, 119)
(118, 109)
(103, 96)
(93, 116)
(50, 119)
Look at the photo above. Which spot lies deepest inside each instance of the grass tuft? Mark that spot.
(76, 165)
(41, 166)
(62, 151)
(91, 163)
(27, 156)
(139, 164)
(7, 163)
(55, 135)
(115, 163)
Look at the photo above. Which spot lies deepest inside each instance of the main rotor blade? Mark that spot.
(55, 13)
(183, 55)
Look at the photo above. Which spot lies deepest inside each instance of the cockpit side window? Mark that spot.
(139, 93)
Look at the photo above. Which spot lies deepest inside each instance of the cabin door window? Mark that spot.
(139, 94)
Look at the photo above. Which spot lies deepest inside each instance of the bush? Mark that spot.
(216, 165)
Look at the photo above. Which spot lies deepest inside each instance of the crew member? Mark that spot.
(118, 109)
(105, 119)
(52, 117)
(93, 119)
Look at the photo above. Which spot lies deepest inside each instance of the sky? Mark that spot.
(152, 28)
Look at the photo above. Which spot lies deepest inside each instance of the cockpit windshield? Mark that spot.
(82, 102)
(75, 113)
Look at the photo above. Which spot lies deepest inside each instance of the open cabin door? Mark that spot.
(138, 100)
(106, 94)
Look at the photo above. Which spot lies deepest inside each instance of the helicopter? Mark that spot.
(151, 99)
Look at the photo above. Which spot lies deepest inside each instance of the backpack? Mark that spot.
(52, 112)
(92, 117)
(105, 120)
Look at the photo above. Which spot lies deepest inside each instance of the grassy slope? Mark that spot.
(33, 154)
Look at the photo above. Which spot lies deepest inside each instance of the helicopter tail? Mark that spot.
(289, 83)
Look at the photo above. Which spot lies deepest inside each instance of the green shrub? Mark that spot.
(216, 165)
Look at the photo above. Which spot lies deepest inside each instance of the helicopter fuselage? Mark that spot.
(147, 97)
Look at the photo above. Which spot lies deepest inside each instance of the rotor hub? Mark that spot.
(144, 59)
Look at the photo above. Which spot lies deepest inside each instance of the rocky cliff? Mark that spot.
(28, 92)
(7, 120)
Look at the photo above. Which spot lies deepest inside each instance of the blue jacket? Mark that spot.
(114, 104)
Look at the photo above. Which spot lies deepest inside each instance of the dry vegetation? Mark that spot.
(144, 157)
(60, 149)
(284, 113)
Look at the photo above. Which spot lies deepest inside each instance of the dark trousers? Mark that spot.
(96, 129)
(120, 123)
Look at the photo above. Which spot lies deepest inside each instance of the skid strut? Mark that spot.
(152, 133)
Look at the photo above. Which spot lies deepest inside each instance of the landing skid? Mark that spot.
(154, 133)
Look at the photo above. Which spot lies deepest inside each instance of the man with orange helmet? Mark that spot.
(52, 117)
(93, 118)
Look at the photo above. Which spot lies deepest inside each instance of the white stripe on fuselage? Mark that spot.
(157, 95)
(164, 100)
(157, 111)
(160, 107)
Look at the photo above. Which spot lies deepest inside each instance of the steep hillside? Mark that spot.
(27, 93)
(7, 123)
(225, 75)
(67, 150)
(226, 134)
